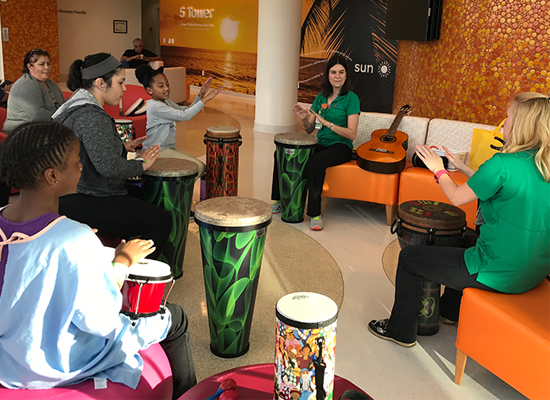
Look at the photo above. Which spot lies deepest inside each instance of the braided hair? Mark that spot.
(145, 74)
(31, 149)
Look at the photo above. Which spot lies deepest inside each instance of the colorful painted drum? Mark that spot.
(431, 223)
(144, 288)
(222, 161)
(293, 151)
(305, 348)
(125, 129)
(169, 184)
(232, 234)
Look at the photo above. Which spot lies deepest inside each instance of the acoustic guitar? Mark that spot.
(385, 153)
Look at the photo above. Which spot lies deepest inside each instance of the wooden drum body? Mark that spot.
(222, 161)
(169, 184)
(305, 347)
(232, 234)
(431, 223)
(293, 152)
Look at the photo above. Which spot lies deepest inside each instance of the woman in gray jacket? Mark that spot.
(34, 97)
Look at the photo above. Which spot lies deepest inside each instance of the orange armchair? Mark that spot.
(509, 334)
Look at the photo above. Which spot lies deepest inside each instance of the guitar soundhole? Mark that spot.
(387, 139)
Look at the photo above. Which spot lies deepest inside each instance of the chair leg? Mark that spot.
(460, 364)
(391, 211)
(323, 205)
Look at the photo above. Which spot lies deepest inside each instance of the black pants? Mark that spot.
(444, 265)
(177, 347)
(322, 158)
(125, 217)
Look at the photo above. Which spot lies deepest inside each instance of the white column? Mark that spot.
(278, 64)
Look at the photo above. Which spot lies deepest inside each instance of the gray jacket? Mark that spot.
(30, 102)
(102, 153)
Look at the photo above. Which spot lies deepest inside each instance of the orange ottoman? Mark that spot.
(419, 184)
(509, 334)
(348, 181)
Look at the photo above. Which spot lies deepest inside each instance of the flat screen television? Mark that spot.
(418, 20)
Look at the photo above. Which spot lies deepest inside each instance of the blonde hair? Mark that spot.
(529, 114)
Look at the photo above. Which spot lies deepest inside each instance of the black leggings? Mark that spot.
(444, 265)
(123, 216)
(177, 347)
(322, 158)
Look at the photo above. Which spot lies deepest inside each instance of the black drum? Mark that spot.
(430, 223)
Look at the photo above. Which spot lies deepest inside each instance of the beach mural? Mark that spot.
(218, 38)
(215, 38)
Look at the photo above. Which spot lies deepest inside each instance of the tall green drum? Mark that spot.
(169, 183)
(293, 151)
(232, 234)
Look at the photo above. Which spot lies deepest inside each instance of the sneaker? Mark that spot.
(378, 329)
(448, 321)
(276, 207)
(316, 223)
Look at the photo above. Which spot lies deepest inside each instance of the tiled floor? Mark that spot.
(356, 235)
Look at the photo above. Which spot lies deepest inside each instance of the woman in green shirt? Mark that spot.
(512, 253)
(335, 114)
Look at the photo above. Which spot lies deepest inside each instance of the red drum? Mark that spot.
(143, 290)
(222, 156)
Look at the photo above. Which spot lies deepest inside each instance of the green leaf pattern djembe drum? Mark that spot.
(222, 161)
(293, 152)
(232, 235)
(429, 223)
(169, 184)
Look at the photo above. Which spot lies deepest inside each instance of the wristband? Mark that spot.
(331, 125)
(440, 173)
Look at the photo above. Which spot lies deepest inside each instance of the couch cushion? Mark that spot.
(455, 135)
(414, 127)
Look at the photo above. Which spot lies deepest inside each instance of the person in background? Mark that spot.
(34, 97)
(162, 113)
(512, 254)
(103, 199)
(133, 58)
(335, 114)
(4, 93)
(60, 297)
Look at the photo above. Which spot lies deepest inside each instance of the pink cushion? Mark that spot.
(155, 383)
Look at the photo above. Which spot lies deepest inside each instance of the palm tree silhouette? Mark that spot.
(356, 28)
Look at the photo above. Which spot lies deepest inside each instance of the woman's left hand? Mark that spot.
(321, 120)
(433, 161)
(205, 87)
(132, 144)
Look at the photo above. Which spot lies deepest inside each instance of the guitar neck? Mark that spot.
(395, 124)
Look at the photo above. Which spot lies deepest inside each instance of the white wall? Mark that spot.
(89, 29)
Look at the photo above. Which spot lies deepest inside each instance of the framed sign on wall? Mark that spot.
(120, 26)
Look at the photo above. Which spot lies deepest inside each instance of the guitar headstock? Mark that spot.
(406, 109)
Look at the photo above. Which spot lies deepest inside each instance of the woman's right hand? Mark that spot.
(150, 155)
(300, 111)
(129, 253)
(458, 163)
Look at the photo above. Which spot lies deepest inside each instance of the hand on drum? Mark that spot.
(300, 111)
(150, 155)
(455, 160)
(433, 161)
(129, 253)
(132, 144)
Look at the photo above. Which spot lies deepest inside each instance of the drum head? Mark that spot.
(150, 271)
(306, 310)
(172, 167)
(222, 132)
(233, 211)
(123, 121)
(296, 139)
(431, 214)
